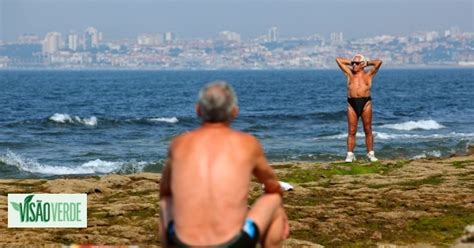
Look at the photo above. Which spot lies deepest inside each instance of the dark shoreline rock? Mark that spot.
(333, 204)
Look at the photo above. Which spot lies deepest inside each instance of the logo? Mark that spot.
(47, 210)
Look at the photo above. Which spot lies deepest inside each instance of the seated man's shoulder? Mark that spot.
(181, 138)
(247, 138)
(239, 136)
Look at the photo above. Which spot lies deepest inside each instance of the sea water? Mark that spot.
(96, 122)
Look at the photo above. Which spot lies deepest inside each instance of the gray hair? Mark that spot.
(216, 101)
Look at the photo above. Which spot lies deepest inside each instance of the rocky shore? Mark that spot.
(420, 203)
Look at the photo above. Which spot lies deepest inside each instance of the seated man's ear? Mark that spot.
(234, 112)
(198, 110)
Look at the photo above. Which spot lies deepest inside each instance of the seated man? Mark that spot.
(205, 183)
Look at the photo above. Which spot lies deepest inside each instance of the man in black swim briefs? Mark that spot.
(359, 101)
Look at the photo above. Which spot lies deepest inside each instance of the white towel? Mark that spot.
(284, 186)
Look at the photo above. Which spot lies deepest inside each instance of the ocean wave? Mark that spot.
(164, 119)
(96, 166)
(67, 119)
(413, 125)
(388, 136)
(431, 154)
(63, 118)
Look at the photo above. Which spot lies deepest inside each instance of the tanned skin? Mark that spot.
(359, 83)
(205, 185)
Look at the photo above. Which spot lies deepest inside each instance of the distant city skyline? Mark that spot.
(206, 19)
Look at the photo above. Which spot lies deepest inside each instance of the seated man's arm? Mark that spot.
(343, 64)
(376, 63)
(166, 203)
(264, 172)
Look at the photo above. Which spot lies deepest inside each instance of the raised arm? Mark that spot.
(264, 173)
(376, 63)
(165, 182)
(343, 64)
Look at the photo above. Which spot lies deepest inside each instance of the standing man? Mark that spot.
(359, 101)
(206, 179)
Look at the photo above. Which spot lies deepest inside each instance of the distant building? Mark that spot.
(149, 39)
(452, 32)
(273, 34)
(51, 43)
(163, 50)
(91, 38)
(317, 37)
(229, 36)
(336, 37)
(431, 36)
(455, 31)
(29, 39)
(447, 33)
(72, 41)
(168, 37)
(3, 61)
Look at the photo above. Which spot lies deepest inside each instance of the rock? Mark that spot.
(87, 186)
(148, 176)
(395, 215)
(470, 150)
(335, 240)
(112, 181)
(341, 209)
(300, 243)
(386, 246)
(469, 229)
(326, 167)
(376, 236)
(468, 236)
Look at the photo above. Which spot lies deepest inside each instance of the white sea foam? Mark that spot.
(92, 121)
(431, 154)
(381, 135)
(66, 118)
(336, 136)
(165, 119)
(389, 136)
(61, 118)
(90, 167)
(412, 125)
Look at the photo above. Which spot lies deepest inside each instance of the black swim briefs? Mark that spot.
(247, 237)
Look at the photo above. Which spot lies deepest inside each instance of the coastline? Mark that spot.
(177, 69)
(398, 202)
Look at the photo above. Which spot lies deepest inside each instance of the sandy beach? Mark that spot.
(407, 203)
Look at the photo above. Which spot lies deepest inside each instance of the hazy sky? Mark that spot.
(205, 18)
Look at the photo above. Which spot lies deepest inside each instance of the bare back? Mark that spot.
(211, 171)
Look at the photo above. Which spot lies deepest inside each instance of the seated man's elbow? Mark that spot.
(165, 192)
